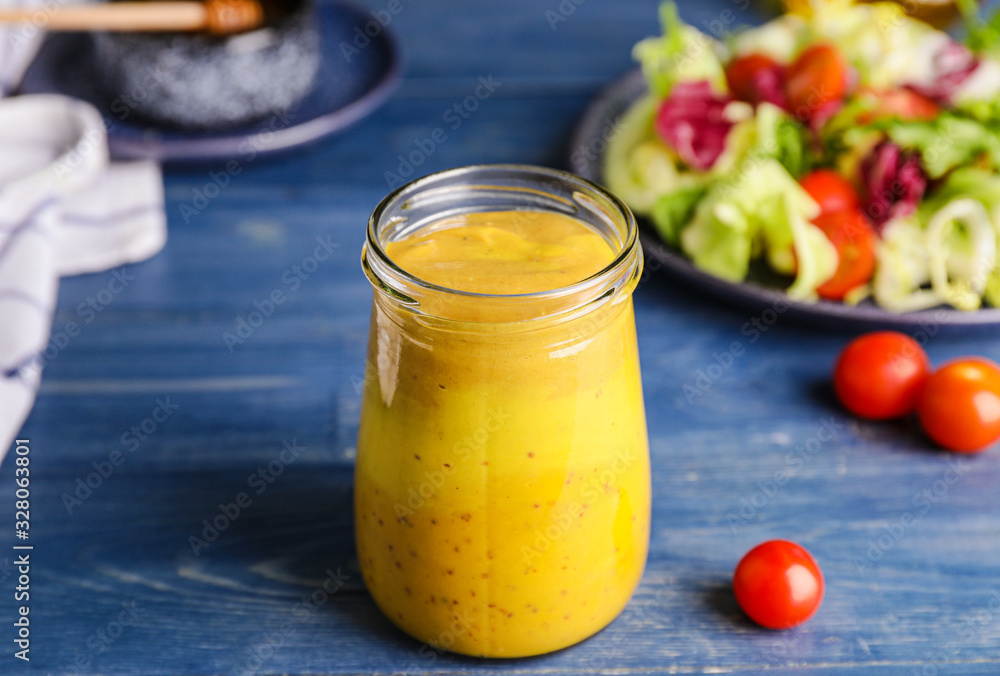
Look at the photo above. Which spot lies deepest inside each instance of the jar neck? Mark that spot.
(500, 188)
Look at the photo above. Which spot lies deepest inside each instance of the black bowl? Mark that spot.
(198, 81)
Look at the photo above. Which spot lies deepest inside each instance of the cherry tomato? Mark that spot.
(818, 77)
(752, 77)
(902, 104)
(778, 584)
(831, 191)
(960, 405)
(855, 239)
(881, 375)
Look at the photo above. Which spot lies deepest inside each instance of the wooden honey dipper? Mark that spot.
(217, 17)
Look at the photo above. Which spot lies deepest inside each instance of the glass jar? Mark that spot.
(502, 487)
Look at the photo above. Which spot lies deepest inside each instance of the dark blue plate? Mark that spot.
(758, 293)
(343, 94)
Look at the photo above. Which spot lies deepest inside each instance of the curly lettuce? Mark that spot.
(948, 251)
(637, 166)
(681, 54)
(760, 208)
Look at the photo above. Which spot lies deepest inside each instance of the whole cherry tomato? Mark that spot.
(817, 78)
(756, 78)
(881, 375)
(831, 191)
(960, 405)
(778, 584)
(854, 238)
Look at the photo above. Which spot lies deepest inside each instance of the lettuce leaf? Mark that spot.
(673, 211)
(947, 252)
(782, 138)
(770, 133)
(962, 252)
(760, 207)
(681, 54)
(982, 34)
(781, 38)
(637, 166)
(966, 182)
(902, 269)
(887, 48)
(991, 294)
(963, 224)
(946, 142)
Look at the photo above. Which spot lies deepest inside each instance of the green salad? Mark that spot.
(848, 148)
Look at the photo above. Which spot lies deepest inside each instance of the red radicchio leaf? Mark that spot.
(824, 114)
(691, 121)
(768, 84)
(894, 183)
(952, 65)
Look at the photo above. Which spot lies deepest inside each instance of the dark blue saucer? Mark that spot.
(345, 92)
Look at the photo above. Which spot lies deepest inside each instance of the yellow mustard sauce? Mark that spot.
(502, 486)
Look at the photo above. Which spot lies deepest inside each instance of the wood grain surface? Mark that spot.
(750, 449)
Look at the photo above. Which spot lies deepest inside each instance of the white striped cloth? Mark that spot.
(64, 210)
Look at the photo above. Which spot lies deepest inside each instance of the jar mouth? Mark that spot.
(498, 187)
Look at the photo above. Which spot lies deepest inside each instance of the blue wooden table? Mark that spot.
(151, 423)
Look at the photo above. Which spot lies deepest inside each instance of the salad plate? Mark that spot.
(762, 290)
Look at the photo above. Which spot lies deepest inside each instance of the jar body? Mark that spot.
(502, 485)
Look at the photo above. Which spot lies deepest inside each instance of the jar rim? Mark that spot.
(373, 246)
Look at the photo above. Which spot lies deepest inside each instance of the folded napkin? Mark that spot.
(64, 210)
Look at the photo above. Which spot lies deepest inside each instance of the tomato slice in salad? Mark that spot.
(901, 104)
(816, 79)
(855, 240)
(830, 190)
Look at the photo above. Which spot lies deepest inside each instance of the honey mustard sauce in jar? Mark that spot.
(502, 485)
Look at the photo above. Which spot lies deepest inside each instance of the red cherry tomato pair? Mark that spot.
(778, 584)
(819, 77)
(887, 375)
